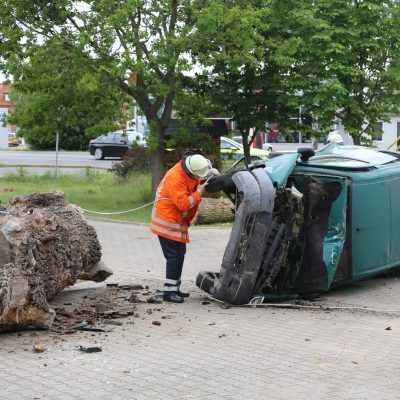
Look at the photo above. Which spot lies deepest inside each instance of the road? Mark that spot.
(42, 160)
(345, 346)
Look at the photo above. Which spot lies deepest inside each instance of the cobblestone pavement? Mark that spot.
(203, 350)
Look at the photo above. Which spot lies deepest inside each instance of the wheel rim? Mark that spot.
(98, 154)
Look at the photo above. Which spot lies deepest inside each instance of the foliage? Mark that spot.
(186, 140)
(232, 60)
(260, 61)
(60, 89)
(346, 61)
(139, 47)
(136, 159)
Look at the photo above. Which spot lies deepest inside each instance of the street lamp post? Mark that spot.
(56, 167)
(60, 110)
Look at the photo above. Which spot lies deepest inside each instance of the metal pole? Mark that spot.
(136, 117)
(57, 140)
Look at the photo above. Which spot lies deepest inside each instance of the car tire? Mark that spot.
(205, 280)
(221, 182)
(98, 154)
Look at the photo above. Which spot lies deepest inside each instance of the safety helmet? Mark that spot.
(197, 165)
(335, 137)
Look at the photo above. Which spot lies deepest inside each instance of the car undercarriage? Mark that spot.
(277, 239)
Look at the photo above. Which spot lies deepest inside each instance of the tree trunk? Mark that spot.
(212, 211)
(356, 140)
(157, 168)
(45, 246)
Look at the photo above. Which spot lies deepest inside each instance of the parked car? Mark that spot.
(265, 146)
(115, 144)
(231, 150)
(13, 141)
(308, 221)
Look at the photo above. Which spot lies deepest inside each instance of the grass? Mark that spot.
(91, 190)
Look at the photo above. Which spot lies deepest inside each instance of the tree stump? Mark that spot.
(45, 246)
(212, 211)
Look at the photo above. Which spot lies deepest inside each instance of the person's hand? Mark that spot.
(202, 188)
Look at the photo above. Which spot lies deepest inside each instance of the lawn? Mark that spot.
(91, 190)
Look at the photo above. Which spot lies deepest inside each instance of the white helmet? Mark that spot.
(197, 165)
(335, 137)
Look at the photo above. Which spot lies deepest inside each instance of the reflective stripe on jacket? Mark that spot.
(176, 204)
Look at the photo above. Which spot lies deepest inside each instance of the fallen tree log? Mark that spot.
(45, 246)
(212, 211)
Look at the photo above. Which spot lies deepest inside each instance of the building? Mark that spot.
(6, 106)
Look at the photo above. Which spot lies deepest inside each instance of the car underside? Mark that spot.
(278, 237)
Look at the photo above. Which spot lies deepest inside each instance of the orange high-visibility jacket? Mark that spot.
(176, 204)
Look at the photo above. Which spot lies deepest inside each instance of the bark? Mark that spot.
(212, 211)
(45, 246)
(158, 168)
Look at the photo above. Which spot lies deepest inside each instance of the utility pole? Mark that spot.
(60, 110)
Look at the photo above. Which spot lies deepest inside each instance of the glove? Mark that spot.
(212, 172)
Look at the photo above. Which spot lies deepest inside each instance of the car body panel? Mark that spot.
(279, 168)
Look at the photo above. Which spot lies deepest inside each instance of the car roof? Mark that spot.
(343, 156)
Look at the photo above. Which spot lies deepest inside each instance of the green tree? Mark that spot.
(346, 62)
(246, 64)
(231, 60)
(139, 46)
(62, 91)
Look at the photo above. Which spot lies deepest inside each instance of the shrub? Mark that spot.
(136, 159)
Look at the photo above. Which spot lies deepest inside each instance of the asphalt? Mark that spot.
(344, 347)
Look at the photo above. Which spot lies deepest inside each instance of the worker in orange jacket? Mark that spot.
(177, 200)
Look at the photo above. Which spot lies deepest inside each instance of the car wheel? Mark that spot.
(220, 182)
(205, 280)
(98, 154)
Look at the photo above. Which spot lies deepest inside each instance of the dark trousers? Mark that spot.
(174, 253)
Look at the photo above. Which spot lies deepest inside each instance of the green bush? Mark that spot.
(136, 159)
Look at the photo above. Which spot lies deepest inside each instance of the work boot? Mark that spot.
(172, 297)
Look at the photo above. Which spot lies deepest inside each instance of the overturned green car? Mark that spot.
(306, 222)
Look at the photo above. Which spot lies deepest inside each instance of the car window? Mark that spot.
(238, 139)
(120, 138)
(135, 137)
(108, 137)
(228, 146)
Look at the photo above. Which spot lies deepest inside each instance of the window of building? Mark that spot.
(6, 96)
(379, 131)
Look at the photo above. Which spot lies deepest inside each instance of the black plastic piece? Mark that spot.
(305, 153)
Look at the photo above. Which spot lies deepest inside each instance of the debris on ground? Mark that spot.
(97, 311)
(92, 349)
(38, 348)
